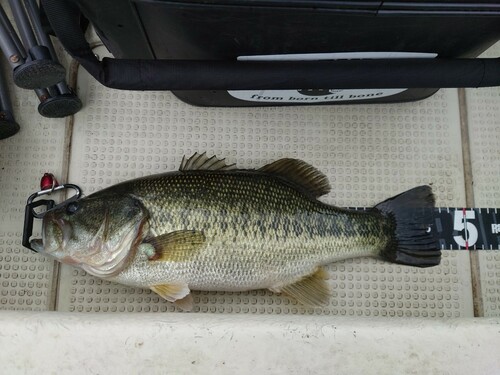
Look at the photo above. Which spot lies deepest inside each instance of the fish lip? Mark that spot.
(62, 225)
(37, 245)
(65, 227)
(69, 260)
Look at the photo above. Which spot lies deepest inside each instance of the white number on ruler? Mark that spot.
(495, 228)
(461, 223)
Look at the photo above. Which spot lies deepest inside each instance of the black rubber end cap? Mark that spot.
(60, 106)
(8, 128)
(38, 74)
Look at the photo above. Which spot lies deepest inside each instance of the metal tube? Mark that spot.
(23, 24)
(42, 94)
(12, 32)
(8, 125)
(53, 91)
(34, 16)
(5, 103)
(7, 43)
(63, 88)
(39, 70)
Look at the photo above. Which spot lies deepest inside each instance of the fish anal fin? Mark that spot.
(176, 246)
(201, 162)
(311, 290)
(185, 303)
(300, 173)
(171, 292)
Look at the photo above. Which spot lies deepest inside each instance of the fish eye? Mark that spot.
(72, 207)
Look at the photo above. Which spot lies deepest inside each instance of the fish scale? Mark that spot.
(272, 234)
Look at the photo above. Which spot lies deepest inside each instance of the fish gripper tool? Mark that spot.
(34, 211)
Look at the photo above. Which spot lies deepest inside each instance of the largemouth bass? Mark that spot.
(210, 226)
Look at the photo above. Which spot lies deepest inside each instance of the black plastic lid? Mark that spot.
(442, 7)
(417, 7)
(350, 6)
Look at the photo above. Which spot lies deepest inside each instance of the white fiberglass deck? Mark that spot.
(369, 153)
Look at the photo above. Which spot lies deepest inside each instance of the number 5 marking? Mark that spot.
(461, 224)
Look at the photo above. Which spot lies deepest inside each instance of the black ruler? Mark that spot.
(465, 228)
(468, 228)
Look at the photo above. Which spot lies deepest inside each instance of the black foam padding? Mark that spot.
(8, 128)
(38, 74)
(60, 106)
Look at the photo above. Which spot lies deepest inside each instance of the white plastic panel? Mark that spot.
(25, 277)
(483, 108)
(369, 152)
(241, 344)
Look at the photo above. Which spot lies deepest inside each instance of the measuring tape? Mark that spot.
(465, 228)
(468, 228)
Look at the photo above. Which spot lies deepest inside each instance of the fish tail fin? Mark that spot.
(411, 215)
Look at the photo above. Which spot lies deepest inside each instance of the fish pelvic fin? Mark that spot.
(186, 303)
(300, 173)
(414, 241)
(176, 246)
(171, 292)
(311, 290)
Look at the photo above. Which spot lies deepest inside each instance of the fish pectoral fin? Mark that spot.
(171, 292)
(201, 162)
(300, 173)
(311, 290)
(176, 246)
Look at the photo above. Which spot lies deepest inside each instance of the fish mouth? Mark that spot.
(37, 245)
(66, 229)
(70, 260)
(61, 234)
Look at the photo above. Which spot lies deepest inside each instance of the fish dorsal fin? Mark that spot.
(201, 162)
(171, 292)
(312, 290)
(176, 246)
(300, 173)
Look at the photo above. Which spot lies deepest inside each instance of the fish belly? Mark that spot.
(252, 259)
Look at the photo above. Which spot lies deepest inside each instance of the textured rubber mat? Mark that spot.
(368, 152)
(483, 108)
(25, 277)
